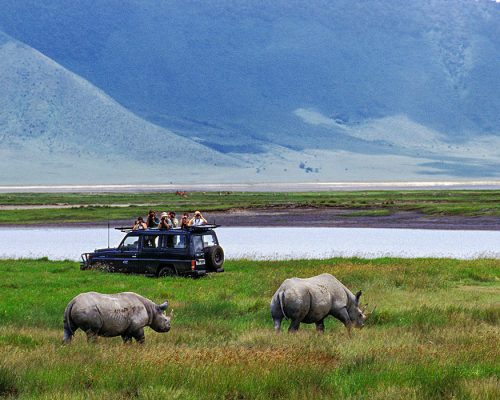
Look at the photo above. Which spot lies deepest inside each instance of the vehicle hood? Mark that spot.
(106, 250)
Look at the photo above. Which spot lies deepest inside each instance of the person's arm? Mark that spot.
(190, 223)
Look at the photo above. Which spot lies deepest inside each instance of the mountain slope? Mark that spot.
(281, 90)
(48, 111)
(231, 73)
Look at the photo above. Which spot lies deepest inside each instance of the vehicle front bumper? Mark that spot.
(85, 263)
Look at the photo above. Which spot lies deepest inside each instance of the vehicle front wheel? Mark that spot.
(164, 272)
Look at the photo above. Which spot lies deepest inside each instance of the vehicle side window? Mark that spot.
(209, 240)
(180, 242)
(197, 244)
(130, 243)
(174, 241)
(150, 242)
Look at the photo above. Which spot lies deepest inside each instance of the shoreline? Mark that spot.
(255, 187)
(305, 217)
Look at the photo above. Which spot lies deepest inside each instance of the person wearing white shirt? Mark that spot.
(197, 219)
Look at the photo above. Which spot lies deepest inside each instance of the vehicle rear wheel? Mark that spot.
(164, 272)
(214, 257)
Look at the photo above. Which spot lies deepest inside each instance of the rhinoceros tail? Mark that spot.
(69, 330)
(281, 299)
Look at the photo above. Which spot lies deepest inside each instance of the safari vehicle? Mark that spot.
(193, 251)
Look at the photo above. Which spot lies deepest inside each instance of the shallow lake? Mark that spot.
(270, 243)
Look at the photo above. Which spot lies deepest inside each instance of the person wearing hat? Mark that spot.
(165, 222)
(197, 219)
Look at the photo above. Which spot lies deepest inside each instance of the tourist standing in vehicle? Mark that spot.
(173, 220)
(185, 221)
(165, 222)
(197, 219)
(139, 224)
(152, 221)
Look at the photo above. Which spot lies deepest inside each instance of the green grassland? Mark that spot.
(104, 206)
(435, 334)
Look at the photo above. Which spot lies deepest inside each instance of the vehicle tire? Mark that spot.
(165, 272)
(214, 257)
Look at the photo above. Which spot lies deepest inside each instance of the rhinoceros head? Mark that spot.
(161, 322)
(356, 314)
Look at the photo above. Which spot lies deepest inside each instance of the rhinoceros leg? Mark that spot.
(277, 325)
(320, 326)
(277, 311)
(69, 326)
(343, 316)
(68, 335)
(294, 326)
(126, 338)
(139, 336)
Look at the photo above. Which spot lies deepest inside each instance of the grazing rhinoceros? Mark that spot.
(311, 300)
(122, 314)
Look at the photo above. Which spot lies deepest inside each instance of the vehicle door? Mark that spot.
(127, 253)
(149, 255)
(174, 251)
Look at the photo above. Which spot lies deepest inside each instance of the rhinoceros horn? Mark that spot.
(171, 313)
(163, 306)
(368, 314)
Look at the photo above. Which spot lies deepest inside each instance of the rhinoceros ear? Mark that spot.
(163, 306)
(358, 295)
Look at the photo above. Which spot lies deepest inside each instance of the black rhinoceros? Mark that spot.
(311, 300)
(121, 314)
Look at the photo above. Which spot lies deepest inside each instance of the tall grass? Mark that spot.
(434, 335)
